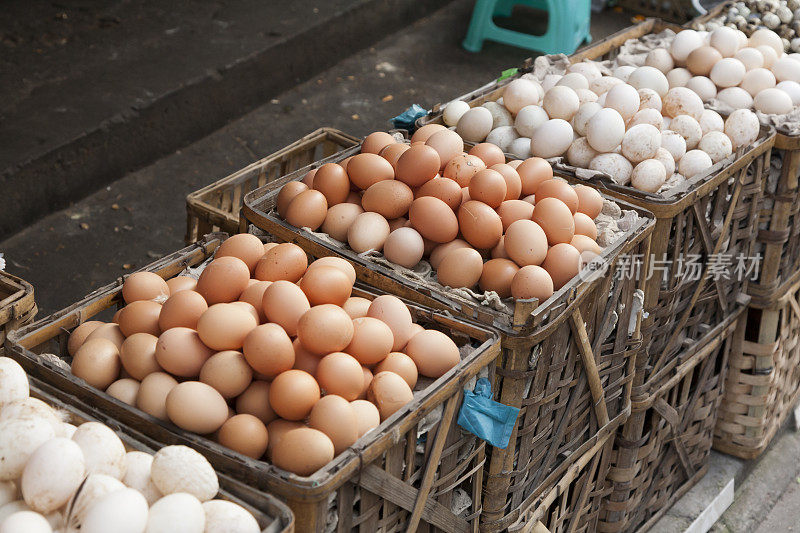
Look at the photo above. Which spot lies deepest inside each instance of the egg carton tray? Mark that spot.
(383, 480)
(272, 515)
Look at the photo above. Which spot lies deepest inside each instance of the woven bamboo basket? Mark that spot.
(573, 394)
(678, 11)
(655, 462)
(381, 483)
(17, 304)
(272, 515)
(216, 207)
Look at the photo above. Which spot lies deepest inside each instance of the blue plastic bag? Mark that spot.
(406, 119)
(485, 418)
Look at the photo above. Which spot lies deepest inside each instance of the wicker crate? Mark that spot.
(216, 207)
(663, 450)
(380, 483)
(17, 305)
(763, 384)
(679, 11)
(574, 394)
(272, 515)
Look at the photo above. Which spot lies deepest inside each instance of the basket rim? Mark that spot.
(568, 296)
(20, 300)
(337, 471)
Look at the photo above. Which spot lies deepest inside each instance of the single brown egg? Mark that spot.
(254, 295)
(97, 363)
(367, 415)
(124, 390)
(339, 219)
(305, 360)
(369, 231)
(196, 407)
(426, 131)
(525, 243)
(562, 190)
(441, 250)
(400, 364)
(489, 153)
(325, 329)
(223, 280)
(480, 225)
(326, 285)
(308, 179)
(79, 334)
(138, 355)
(303, 451)
(513, 181)
(245, 434)
(585, 244)
(337, 262)
(589, 201)
(444, 189)
(181, 352)
(367, 380)
(585, 226)
(392, 153)
(433, 352)
(394, 313)
(462, 168)
(367, 169)
(228, 372)
(268, 349)
(181, 283)
(292, 394)
(417, 165)
(499, 251)
(308, 209)
(447, 144)
(255, 401)
(532, 281)
(243, 246)
(332, 181)
(109, 332)
(153, 391)
(513, 210)
(488, 186)
(532, 172)
(371, 342)
(356, 306)
(433, 219)
(405, 247)
(376, 141)
(287, 194)
(701, 60)
(389, 392)
(340, 373)
(285, 261)
(182, 309)
(563, 262)
(144, 286)
(284, 303)
(334, 416)
(497, 276)
(277, 428)
(555, 218)
(140, 317)
(460, 268)
(390, 198)
(224, 327)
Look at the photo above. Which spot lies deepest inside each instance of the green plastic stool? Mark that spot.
(567, 28)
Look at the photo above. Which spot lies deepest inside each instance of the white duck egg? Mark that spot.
(683, 101)
(615, 165)
(765, 37)
(649, 99)
(750, 57)
(641, 142)
(661, 59)
(649, 175)
(589, 70)
(602, 85)
(581, 153)
(717, 145)
(574, 80)
(623, 72)
(693, 163)
(625, 99)
(649, 78)
(791, 88)
(581, 118)
(735, 97)
(725, 40)
(520, 93)
(453, 111)
(605, 130)
(757, 80)
(674, 143)
(769, 55)
(647, 116)
(711, 121)
(502, 137)
(786, 69)
(683, 44)
(727, 72)
(552, 139)
(550, 81)
(530, 77)
(500, 115)
(561, 102)
(585, 95)
(520, 148)
(528, 119)
(666, 159)
(773, 102)
(475, 124)
(703, 86)
(678, 77)
(688, 128)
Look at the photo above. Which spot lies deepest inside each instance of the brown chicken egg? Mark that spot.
(223, 280)
(254, 295)
(489, 153)
(368, 232)
(405, 247)
(124, 390)
(305, 360)
(563, 262)
(337, 262)
(562, 190)
(461, 169)
(292, 394)
(417, 165)
(375, 142)
(444, 189)
(497, 276)
(308, 179)
(303, 451)
(332, 181)
(499, 251)
(513, 210)
(153, 391)
(326, 285)
(532, 281)
(488, 186)
(138, 355)
(394, 313)
(285, 261)
(366, 169)
(525, 243)
(245, 434)
(433, 352)
(109, 332)
(79, 334)
(389, 392)
(196, 407)
(307, 210)
(425, 132)
(284, 303)
(97, 363)
(339, 219)
(589, 201)
(460, 268)
(181, 283)
(356, 307)
(367, 380)
(181, 352)
(433, 219)
(144, 286)
(372, 341)
(441, 250)
(325, 329)
(513, 181)
(532, 172)
(585, 226)
(447, 144)
(182, 309)
(334, 416)
(390, 198)
(480, 225)
(400, 222)
(340, 373)
(585, 244)
(277, 428)
(392, 153)
(555, 218)
(225, 326)
(228, 372)
(367, 416)
(255, 401)
(243, 246)
(400, 364)
(288, 193)
(268, 350)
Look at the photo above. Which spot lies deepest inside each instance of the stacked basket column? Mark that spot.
(568, 366)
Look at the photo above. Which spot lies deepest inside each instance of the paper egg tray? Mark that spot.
(391, 479)
(272, 515)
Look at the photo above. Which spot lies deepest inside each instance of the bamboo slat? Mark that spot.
(17, 305)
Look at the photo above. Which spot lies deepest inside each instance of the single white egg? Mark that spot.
(727, 72)
(757, 80)
(711, 121)
(520, 148)
(552, 139)
(581, 118)
(453, 111)
(561, 102)
(689, 129)
(589, 70)
(703, 86)
(666, 159)
(647, 116)
(623, 72)
(520, 93)
(614, 165)
(742, 127)
(581, 153)
(674, 143)
(585, 95)
(528, 119)
(649, 99)
(773, 102)
(625, 99)
(641, 142)
(649, 78)
(693, 163)
(786, 69)
(574, 80)
(649, 175)
(502, 137)
(684, 44)
(735, 97)
(605, 130)
(475, 124)
(750, 57)
(678, 77)
(683, 101)
(661, 59)
(792, 89)
(725, 40)
(717, 145)
(602, 85)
